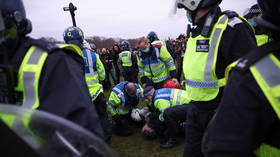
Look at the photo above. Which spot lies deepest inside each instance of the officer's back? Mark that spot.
(49, 78)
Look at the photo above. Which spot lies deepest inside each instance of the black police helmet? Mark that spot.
(125, 45)
(270, 14)
(14, 16)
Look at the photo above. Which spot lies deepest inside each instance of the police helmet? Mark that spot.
(152, 36)
(193, 5)
(125, 45)
(92, 46)
(270, 14)
(13, 22)
(254, 10)
(73, 35)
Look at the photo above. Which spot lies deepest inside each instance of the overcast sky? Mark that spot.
(114, 18)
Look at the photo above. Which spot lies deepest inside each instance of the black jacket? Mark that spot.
(244, 120)
(62, 87)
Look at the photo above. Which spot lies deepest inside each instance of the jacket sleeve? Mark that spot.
(113, 103)
(161, 105)
(100, 69)
(63, 90)
(140, 67)
(167, 58)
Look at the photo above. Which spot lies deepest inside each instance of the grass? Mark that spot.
(136, 146)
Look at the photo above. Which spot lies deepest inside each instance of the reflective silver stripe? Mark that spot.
(170, 64)
(30, 96)
(118, 90)
(163, 95)
(179, 97)
(154, 64)
(90, 64)
(211, 53)
(269, 71)
(90, 74)
(172, 96)
(223, 20)
(168, 60)
(160, 78)
(92, 82)
(158, 69)
(35, 56)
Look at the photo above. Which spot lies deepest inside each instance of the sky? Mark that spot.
(114, 18)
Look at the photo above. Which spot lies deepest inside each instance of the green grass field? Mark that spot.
(136, 146)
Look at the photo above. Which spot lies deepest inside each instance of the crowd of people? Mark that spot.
(227, 103)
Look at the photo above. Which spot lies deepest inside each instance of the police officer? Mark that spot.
(261, 37)
(218, 39)
(49, 78)
(123, 98)
(155, 64)
(127, 62)
(247, 121)
(94, 73)
(170, 108)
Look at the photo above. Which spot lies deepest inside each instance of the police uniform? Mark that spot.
(208, 53)
(156, 66)
(119, 107)
(127, 64)
(171, 107)
(94, 71)
(247, 121)
(40, 67)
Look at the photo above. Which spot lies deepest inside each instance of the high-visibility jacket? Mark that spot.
(117, 103)
(30, 71)
(94, 71)
(262, 39)
(267, 74)
(156, 66)
(169, 97)
(200, 59)
(28, 83)
(125, 57)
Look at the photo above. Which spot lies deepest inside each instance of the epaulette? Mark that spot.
(233, 18)
(255, 55)
(43, 44)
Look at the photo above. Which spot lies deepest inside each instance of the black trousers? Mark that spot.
(123, 124)
(198, 116)
(131, 76)
(100, 105)
(172, 116)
